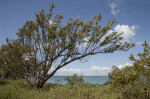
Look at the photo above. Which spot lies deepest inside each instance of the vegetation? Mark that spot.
(10, 60)
(13, 89)
(75, 79)
(58, 81)
(44, 46)
(129, 82)
(133, 82)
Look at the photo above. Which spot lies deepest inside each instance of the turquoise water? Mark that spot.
(90, 79)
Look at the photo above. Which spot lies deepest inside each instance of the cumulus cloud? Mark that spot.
(121, 66)
(114, 9)
(92, 71)
(128, 31)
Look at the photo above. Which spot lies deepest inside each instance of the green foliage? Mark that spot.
(142, 65)
(75, 79)
(58, 81)
(14, 90)
(44, 43)
(10, 60)
(121, 77)
(133, 81)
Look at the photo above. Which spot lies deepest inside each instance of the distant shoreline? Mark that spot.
(87, 79)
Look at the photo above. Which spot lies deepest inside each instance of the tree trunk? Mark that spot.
(7, 75)
(41, 82)
(39, 86)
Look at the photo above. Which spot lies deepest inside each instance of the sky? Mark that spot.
(132, 18)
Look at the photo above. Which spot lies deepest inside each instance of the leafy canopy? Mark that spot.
(133, 81)
(47, 45)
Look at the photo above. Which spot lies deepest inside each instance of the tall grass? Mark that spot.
(10, 89)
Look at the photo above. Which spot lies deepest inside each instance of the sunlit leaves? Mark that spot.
(47, 41)
(131, 78)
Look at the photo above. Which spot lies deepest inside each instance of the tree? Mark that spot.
(142, 70)
(51, 45)
(142, 65)
(119, 78)
(10, 60)
(74, 79)
(133, 81)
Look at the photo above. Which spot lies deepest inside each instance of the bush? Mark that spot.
(133, 82)
(13, 90)
(58, 81)
(75, 79)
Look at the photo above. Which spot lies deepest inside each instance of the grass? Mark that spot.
(16, 89)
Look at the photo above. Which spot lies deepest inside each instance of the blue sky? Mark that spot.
(132, 16)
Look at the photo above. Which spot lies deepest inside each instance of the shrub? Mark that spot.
(75, 79)
(58, 81)
(133, 82)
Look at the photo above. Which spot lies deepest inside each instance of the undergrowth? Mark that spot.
(19, 89)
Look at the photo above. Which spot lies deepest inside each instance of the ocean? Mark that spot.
(87, 79)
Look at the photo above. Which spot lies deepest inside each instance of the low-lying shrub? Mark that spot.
(14, 90)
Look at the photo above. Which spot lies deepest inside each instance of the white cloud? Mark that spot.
(139, 42)
(92, 71)
(86, 39)
(84, 44)
(128, 32)
(121, 66)
(113, 7)
(50, 22)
